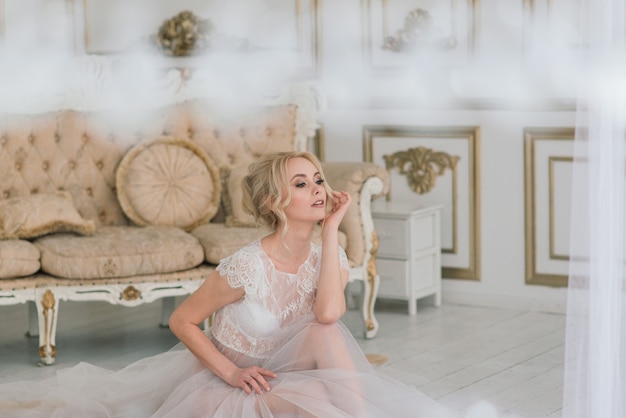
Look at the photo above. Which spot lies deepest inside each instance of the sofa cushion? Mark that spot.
(39, 214)
(232, 197)
(168, 182)
(18, 258)
(219, 240)
(119, 251)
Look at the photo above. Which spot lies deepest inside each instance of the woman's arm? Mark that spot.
(330, 301)
(212, 295)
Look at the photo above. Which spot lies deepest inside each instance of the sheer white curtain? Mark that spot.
(595, 350)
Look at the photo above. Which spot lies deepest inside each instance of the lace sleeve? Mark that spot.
(242, 269)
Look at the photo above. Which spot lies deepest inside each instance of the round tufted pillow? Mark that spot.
(168, 182)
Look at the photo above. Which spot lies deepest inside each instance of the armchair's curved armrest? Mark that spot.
(365, 182)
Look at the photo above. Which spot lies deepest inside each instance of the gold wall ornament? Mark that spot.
(183, 35)
(131, 293)
(421, 166)
(418, 32)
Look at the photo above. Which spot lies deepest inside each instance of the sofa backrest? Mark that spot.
(80, 151)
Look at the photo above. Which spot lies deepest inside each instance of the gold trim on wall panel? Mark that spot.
(317, 144)
(299, 25)
(316, 39)
(2, 22)
(552, 161)
(86, 39)
(472, 134)
(474, 17)
(531, 136)
(366, 28)
(70, 15)
(385, 19)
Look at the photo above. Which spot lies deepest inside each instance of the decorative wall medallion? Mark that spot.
(418, 32)
(183, 34)
(421, 166)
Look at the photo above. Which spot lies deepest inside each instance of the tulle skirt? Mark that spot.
(321, 372)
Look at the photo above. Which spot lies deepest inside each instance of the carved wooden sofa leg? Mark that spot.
(370, 291)
(48, 312)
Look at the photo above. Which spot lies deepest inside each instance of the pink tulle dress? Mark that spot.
(321, 370)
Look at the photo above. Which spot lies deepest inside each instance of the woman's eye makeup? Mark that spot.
(303, 183)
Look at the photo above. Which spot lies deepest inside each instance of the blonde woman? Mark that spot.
(277, 343)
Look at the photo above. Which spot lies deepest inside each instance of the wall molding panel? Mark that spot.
(548, 165)
(294, 29)
(455, 25)
(456, 187)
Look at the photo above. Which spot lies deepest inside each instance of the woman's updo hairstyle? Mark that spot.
(266, 189)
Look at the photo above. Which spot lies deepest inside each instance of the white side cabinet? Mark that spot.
(409, 252)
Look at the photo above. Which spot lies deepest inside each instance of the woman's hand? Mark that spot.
(341, 203)
(252, 379)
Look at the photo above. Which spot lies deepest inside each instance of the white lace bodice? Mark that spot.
(273, 299)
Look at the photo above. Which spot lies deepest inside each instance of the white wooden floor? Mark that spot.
(469, 358)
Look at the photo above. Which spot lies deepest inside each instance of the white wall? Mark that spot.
(507, 84)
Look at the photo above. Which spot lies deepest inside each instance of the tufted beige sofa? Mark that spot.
(115, 253)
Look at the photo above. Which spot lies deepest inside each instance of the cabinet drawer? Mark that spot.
(424, 233)
(392, 237)
(425, 274)
(393, 278)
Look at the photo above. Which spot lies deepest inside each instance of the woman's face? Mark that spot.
(308, 195)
